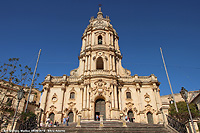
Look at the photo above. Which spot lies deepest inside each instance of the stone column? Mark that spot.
(113, 102)
(156, 99)
(84, 97)
(89, 63)
(83, 47)
(93, 37)
(44, 102)
(107, 108)
(81, 92)
(105, 64)
(87, 40)
(86, 63)
(92, 62)
(62, 97)
(113, 63)
(110, 63)
(140, 104)
(115, 90)
(83, 64)
(44, 97)
(139, 97)
(189, 125)
(117, 66)
(117, 45)
(107, 39)
(60, 107)
(87, 86)
(157, 104)
(120, 102)
(111, 39)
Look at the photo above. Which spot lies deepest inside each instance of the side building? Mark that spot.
(100, 85)
(193, 97)
(8, 103)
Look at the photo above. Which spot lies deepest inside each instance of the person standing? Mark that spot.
(126, 118)
(64, 120)
(97, 117)
(67, 120)
(48, 122)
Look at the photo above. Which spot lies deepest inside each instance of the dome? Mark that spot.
(100, 23)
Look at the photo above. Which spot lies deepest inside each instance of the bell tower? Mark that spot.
(100, 49)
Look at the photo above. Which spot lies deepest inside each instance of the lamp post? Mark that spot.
(184, 94)
(20, 95)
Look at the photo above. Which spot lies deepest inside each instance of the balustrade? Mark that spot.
(181, 128)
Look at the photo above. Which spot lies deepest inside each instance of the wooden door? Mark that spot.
(100, 108)
(150, 117)
(51, 116)
(71, 116)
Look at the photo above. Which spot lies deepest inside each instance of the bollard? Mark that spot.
(79, 121)
(124, 122)
(101, 120)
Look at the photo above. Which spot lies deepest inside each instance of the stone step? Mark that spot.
(109, 127)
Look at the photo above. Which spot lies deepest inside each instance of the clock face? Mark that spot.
(147, 99)
(54, 99)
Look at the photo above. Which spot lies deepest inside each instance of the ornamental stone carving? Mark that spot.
(147, 98)
(100, 87)
(54, 98)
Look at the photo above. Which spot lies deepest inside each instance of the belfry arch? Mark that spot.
(99, 39)
(100, 64)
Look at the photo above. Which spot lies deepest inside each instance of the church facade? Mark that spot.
(100, 85)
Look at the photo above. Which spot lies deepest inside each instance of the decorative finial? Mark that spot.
(100, 7)
(99, 14)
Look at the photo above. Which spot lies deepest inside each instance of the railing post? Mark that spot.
(79, 121)
(124, 122)
(101, 120)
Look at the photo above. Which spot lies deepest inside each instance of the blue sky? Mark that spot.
(143, 26)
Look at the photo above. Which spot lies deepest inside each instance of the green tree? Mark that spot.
(182, 115)
(14, 72)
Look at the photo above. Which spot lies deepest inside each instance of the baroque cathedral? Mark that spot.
(100, 85)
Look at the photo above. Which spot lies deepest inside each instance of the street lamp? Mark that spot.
(184, 94)
(20, 95)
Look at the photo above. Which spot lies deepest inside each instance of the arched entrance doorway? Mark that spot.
(130, 115)
(100, 108)
(51, 116)
(150, 117)
(71, 116)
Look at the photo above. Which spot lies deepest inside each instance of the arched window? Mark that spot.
(9, 101)
(99, 64)
(128, 95)
(100, 39)
(72, 95)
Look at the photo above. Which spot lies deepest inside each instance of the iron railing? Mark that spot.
(29, 124)
(181, 128)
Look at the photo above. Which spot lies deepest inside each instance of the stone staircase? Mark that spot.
(109, 127)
